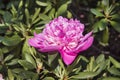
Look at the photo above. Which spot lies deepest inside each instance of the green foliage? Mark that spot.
(106, 16)
(19, 19)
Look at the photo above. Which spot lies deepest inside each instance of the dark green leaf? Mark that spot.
(85, 75)
(115, 25)
(11, 41)
(7, 17)
(1, 38)
(36, 14)
(111, 78)
(9, 57)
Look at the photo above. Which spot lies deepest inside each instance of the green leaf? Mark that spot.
(111, 78)
(40, 3)
(10, 75)
(36, 14)
(114, 71)
(48, 78)
(20, 4)
(7, 17)
(30, 59)
(1, 38)
(69, 14)
(100, 25)
(114, 62)
(9, 57)
(48, 8)
(62, 9)
(96, 12)
(27, 15)
(85, 75)
(12, 62)
(11, 41)
(115, 17)
(105, 37)
(52, 13)
(100, 58)
(26, 54)
(115, 25)
(27, 65)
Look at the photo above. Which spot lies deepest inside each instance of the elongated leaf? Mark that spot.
(27, 65)
(10, 75)
(114, 71)
(114, 62)
(100, 58)
(111, 78)
(105, 37)
(115, 25)
(41, 3)
(36, 14)
(7, 17)
(8, 57)
(96, 12)
(11, 41)
(20, 4)
(100, 25)
(85, 75)
(62, 9)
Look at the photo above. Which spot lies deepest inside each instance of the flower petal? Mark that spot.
(49, 48)
(68, 58)
(87, 44)
(35, 41)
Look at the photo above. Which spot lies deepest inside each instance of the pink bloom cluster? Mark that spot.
(63, 35)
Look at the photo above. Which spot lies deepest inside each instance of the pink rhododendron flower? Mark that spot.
(65, 36)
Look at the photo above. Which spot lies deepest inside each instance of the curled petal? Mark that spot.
(87, 44)
(86, 36)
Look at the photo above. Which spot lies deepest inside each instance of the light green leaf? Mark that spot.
(114, 71)
(62, 9)
(114, 62)
(96, 12)
(20, 4)
(27, 65)
(105, 37)
(10, 75)
(40, 3)
(48, 78)
(100, 25)
(100, 58)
